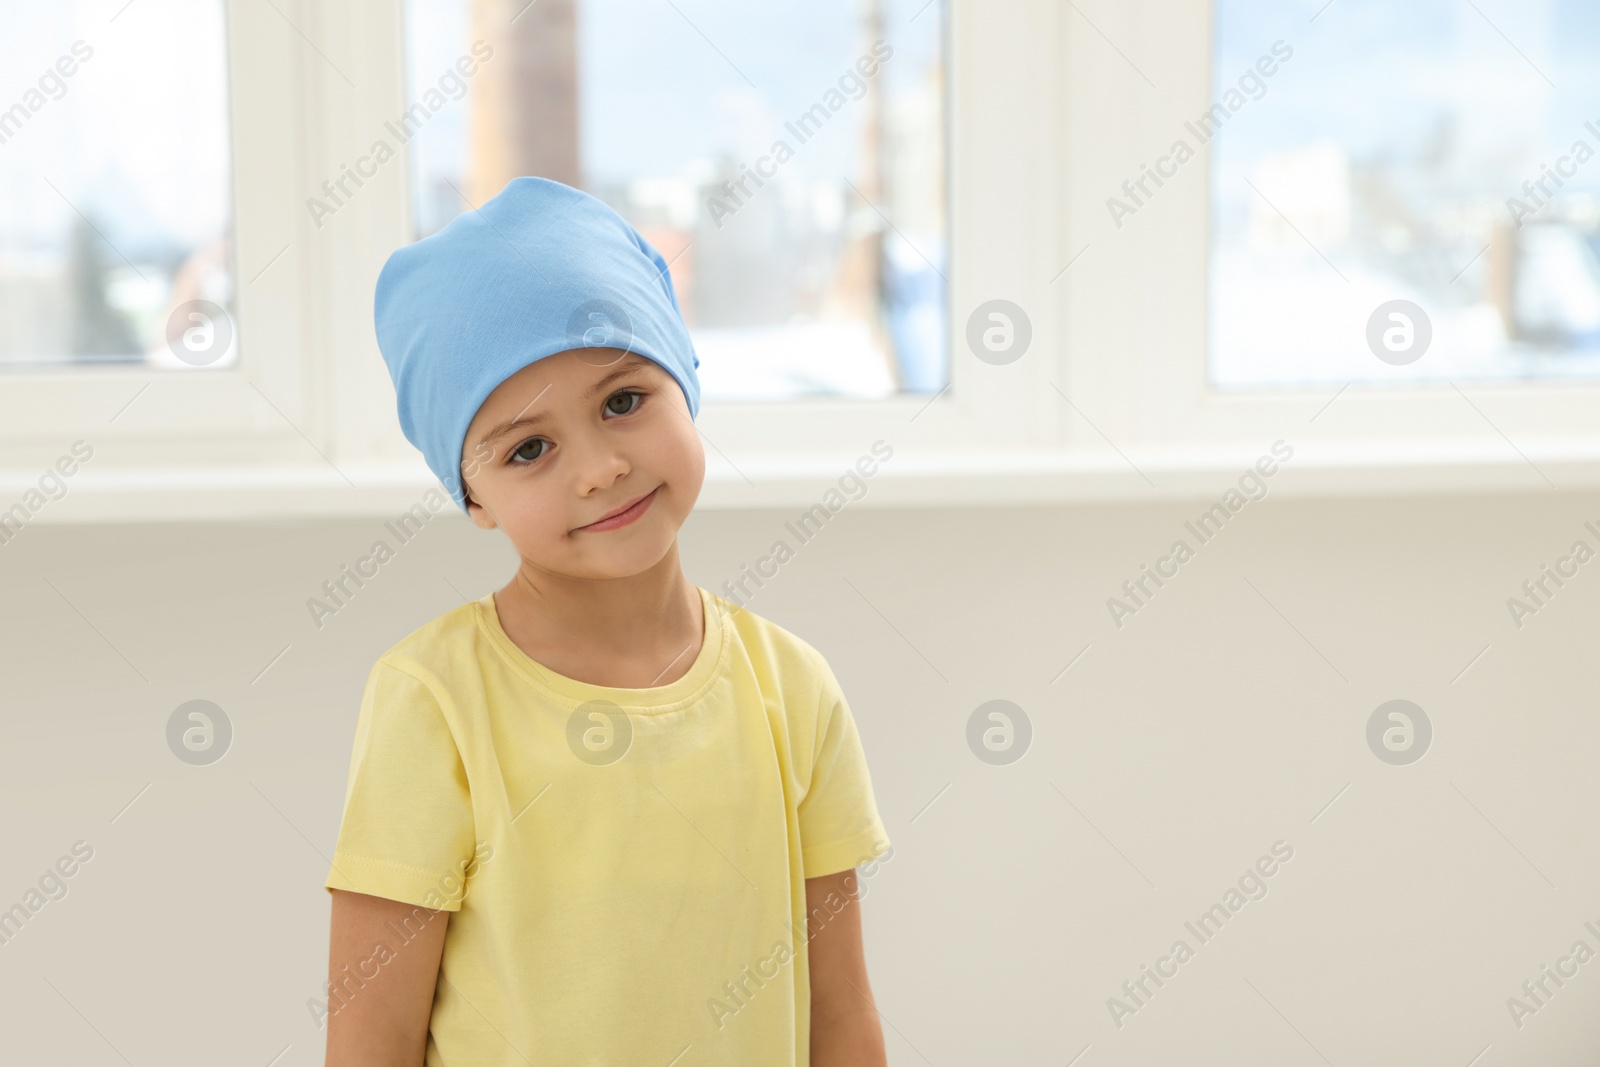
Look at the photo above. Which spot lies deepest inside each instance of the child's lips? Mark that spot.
(618, 519)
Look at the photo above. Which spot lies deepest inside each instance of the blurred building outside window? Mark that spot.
(1442, 153)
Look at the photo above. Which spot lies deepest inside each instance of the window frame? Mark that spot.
(1145, 294)
(143, 416)
(1045, 116)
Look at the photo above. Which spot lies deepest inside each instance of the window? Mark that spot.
(115, 186)
(1419, 181)
(1312, 178)
(188, 144)
(787, 159)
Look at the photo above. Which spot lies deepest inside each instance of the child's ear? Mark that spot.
(479, 514)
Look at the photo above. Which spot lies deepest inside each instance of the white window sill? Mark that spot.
(980, 477)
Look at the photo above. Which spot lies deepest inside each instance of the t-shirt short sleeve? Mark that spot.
(407, 832)
(839, 823)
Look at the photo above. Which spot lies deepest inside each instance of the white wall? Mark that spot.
(1212, 725)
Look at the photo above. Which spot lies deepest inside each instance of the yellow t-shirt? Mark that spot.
(626, 867)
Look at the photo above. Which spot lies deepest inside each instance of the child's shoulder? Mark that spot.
(437, 640)
(773, 648)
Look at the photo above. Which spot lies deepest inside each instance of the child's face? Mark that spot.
(590, 431)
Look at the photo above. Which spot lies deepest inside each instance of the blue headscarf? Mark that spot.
(541, 268)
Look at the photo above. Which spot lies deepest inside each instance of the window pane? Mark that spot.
(1405, 153)
(115, 208)
(794, 286)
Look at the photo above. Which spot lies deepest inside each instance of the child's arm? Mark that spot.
(844, 1021)
(384, 994)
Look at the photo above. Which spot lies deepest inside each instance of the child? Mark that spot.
(600, 816)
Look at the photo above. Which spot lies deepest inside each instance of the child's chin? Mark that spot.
(619, 559)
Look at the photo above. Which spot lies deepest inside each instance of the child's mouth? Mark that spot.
(626, 515)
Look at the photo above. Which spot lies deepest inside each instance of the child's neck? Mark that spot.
(639, 632)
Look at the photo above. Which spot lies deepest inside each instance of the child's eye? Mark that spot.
(518, 456)
(624, 394)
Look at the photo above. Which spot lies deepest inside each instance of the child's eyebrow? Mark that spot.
(633, 363)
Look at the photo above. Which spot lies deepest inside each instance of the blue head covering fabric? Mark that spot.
(541, 268)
